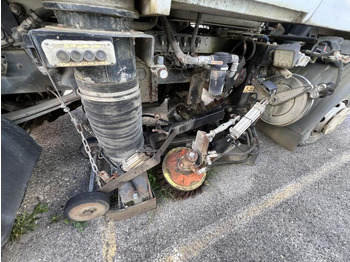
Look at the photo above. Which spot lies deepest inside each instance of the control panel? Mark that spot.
(67, 53)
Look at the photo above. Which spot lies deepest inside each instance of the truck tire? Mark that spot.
(322, 127)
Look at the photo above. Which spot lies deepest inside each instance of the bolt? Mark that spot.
(191, 156)
(163, 73)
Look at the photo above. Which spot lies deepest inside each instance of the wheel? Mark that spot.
(328, 123)
(290, 111)
(86, 206)
(93, 143)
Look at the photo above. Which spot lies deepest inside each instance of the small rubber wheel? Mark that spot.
(86, 206)
(93, 143)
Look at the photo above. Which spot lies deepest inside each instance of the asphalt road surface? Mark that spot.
(289, 206)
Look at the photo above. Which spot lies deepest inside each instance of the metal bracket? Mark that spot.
(176, 129)
(282, 97)
(144, 41)
(131, 211)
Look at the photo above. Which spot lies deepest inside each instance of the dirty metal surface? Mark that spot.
(176, 129)
(293, 11)
(132, 211)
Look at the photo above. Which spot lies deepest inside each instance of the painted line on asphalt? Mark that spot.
(109, 243)
(192, 247)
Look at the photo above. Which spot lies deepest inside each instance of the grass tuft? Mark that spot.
(159, 190)
(27, 221)
(211, 173)
(79, 226)
(56, 218)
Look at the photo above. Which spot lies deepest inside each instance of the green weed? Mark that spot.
(27, 221)
(56, 218)
(161, 191)
(79, 226)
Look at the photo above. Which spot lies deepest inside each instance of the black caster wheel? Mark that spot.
(93, 143)
(86, 206)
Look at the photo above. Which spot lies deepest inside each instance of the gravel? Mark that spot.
(310, 225)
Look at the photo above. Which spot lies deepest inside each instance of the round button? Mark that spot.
(89, 56)
(63, 56)
(76, 56)
(101, 55)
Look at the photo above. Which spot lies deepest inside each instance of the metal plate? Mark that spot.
(52, 47)
(136, 210)
(22, 74)
(144, 43)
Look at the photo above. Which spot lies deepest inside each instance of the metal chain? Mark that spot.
(88, 129)
(87, 148)
(78, 126)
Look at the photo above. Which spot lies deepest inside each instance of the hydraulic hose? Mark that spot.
(144, 26)
(330, 91)
(31, 22)
(188, 59)
(251, 40)
(195, 32)
(240, 37)
(340, 66)
(218, 61)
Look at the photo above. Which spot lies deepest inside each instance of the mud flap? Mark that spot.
(19, 154)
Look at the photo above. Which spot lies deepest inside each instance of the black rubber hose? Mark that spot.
(184, 58)
(160, 119)
(252, 53)
(330, 90)
(340, 66)
(31, 22)
(195, 32)
(315, 54)
(253, 137)
(238, 44)
(306, 39)
(144, 26)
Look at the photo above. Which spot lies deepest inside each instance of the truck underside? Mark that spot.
(178, 85)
